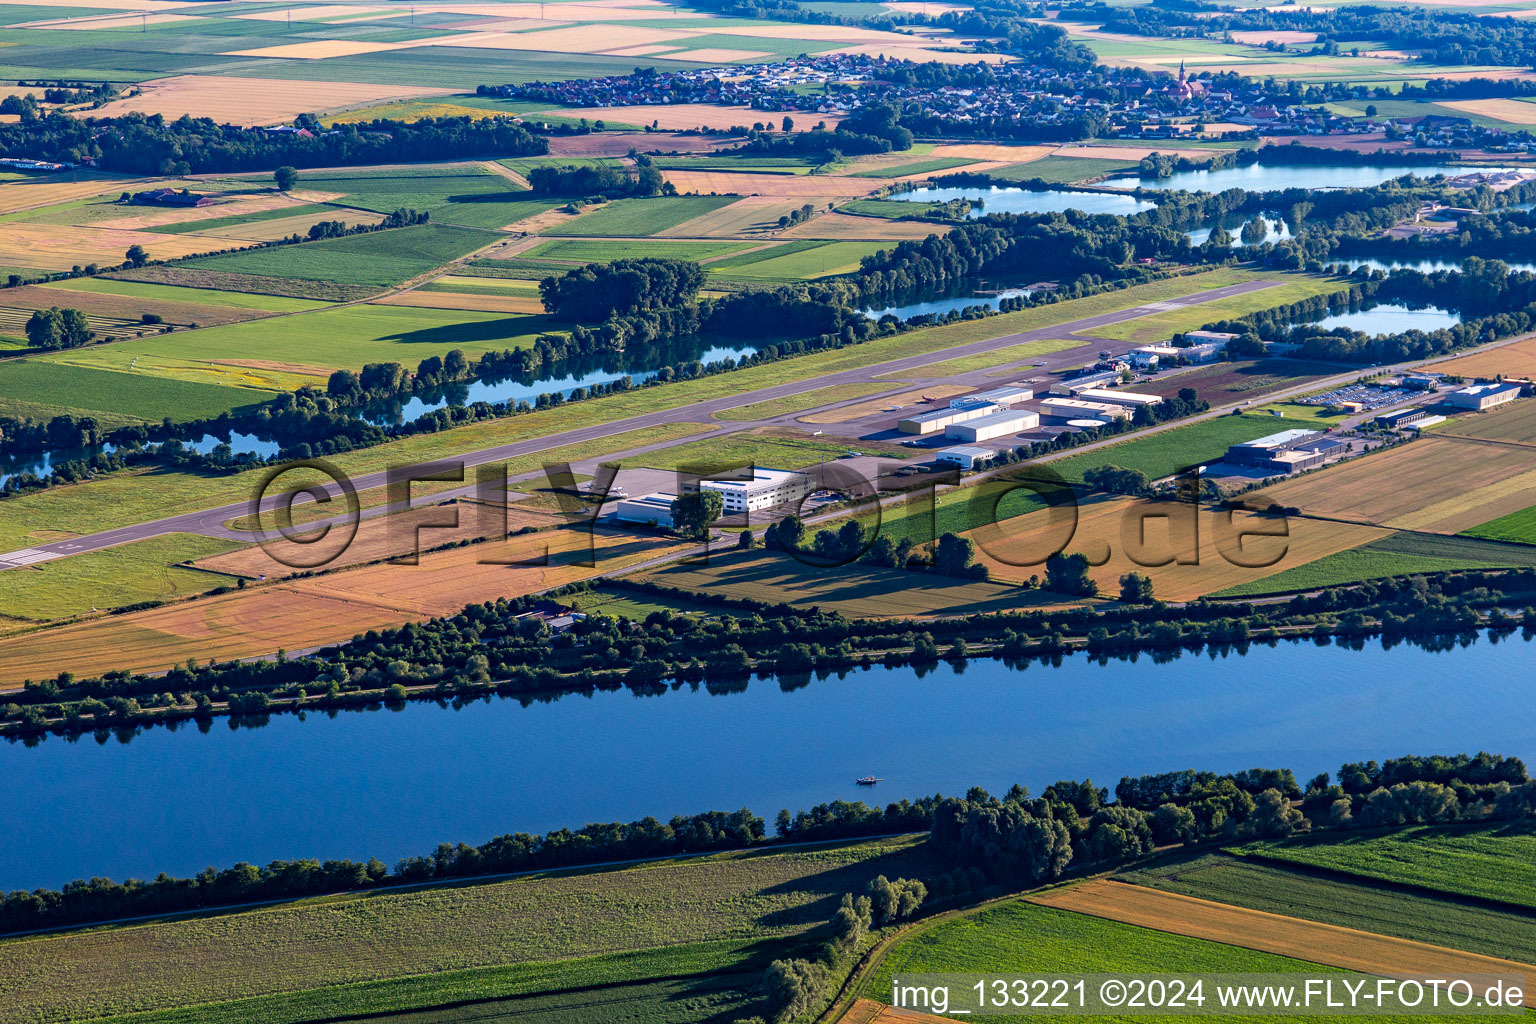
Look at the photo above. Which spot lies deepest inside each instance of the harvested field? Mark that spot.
(124, 307)
(58, 247)
(676, 117)
(787, 186)
(1511, 111)
(1112, 530)
(248, 101)
(32, 193)
(1435, 484)
(1517, 359)
(1259, 38)
(617, 144)
(319, 12)
(481, 302)
(281, 227)
(133, 21)
(752, 215)
(867, 1011)
(320, 49)
(587, 38)
(859, 591)
(862, 409)
(318, 610)
(1270, 933)
(255, 284)
(154, 216)
(875, 229)
(1514, 422)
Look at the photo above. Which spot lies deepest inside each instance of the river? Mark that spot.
(394, 783)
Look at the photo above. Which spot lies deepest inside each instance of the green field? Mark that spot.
(315, 343)
(379, 258)
(639, 218)
(1023, 938)
(1160, 327)
(171, 293)
(1276, 889)
(938, 163)
(100, 580)
(819, 259)
(796, 403)
(997, 357)
(1515, 528)
(1401, 554)
(732, 162)
(1491, 862)
(84, 389)
(186, 227)
(1168, 451)
(1063, 170)
(726, 900)
(605, 250)
(789, 452)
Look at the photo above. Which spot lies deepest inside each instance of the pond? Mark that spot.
(396, 783)
(1274, 177)
(562, 381)
(1275, 229)
(1390, 318)
(1018, 200)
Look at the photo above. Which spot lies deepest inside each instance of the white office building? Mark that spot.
(964, 456)
(1148, 356)
(767, 488)
(997, 424)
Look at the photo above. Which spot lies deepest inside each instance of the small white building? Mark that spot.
(1130, 399)
(1064, 409)
(1481, 396)
(1074, 385)
(651, 509)
(1006, 396)
(767, 488)
(1217, 338)
(939, 419)
(998, 424)
(964, 456)
(1148, 356)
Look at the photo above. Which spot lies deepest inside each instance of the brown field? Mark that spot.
(1436, 484)
(463, 300)
(987, 151)
(314, 611)
(1259, 38)
(620, 143)
(867, 1011)
(1104, 527)
(320, 49)
(1514, 360)
(859, 591)
(1512, 111)
(1242, 379)
(123, 307)
(840, 226)
(684, 116)
(751, 215)
(783, 186)
(248, 101)
(1514, 423)
(861, 409)
(1315, 943)
(154, 216)
(30, 193)
(59, 247)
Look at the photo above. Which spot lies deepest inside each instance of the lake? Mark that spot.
(1274, 177)
(1018, 200)
(990, 300)
(1423, 266)
(395, 783)
(1390, 318)
(43, 464)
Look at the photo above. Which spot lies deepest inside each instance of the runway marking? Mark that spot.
(26, 556)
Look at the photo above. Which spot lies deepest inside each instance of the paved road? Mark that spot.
(210, 521)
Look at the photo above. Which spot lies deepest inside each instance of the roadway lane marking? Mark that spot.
(26, 556)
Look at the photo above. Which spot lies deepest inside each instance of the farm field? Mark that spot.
(638, 218)
(795, 403)
(171, 294)
(1517, 359)
(262, 285)
(146, 570)
(1491, 862)
(1168, 451)
(1133, 535)
(997, 357)
(604, 250)
(323, 609)
(809, 259)
(1514, 528)
(293, 350)
(1276, 889)
(1327, 944)
(858, 591)
(840, 226)
(1435, 484)
(378, 260)
(1063, 170)
(692, 905)
(83, 388)
(1396, 554)
(1514, 422)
